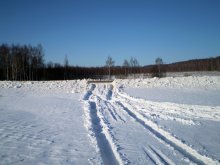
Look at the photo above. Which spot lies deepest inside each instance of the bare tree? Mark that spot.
(66, 65)
(109, 63)
(126, 66)
(159, 62)
(37, 59)
(20, 62)
(133, 63)
(5, 60)
(50, 65)
(66, 62)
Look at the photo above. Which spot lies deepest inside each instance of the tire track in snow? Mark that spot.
(163, 157)
(112, 108)
(109, 106)
(99, 132)
(106, 103)
(88, 93)
(182, 113)
(102, 96)
(156, 156)
(106, 97)
(102, 142)
(153, 157)
(159, 133)
(107, 129)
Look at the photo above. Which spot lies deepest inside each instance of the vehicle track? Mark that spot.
(156, 156)
(98, 129)
(110, 115)
(173, 110)
(161, 134)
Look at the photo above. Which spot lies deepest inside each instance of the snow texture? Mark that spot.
(132, 121)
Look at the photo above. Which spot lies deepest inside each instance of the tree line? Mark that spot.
(26, 62)
(21, 62)
(208, 64)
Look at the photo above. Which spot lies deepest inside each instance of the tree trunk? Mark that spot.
(109, 72)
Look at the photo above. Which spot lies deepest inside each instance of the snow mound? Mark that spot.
(72, 86)
(79, 86)
(204, 82)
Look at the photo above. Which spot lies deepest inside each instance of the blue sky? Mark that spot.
(88, 31)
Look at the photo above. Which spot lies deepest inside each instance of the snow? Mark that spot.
(38, 128)
(191, 82)
(180, 96)
(131, 121)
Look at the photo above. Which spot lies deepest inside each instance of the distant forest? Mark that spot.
(26, 62)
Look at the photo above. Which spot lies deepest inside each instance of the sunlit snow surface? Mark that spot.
(141, 121)
(42, 129)
(179, 96)
(204, 135)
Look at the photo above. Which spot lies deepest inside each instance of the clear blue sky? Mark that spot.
(88, 31)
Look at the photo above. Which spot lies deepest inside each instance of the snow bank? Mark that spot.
(79, 86)
(72, 86)
(204, 82)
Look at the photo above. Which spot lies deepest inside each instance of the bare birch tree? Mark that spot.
(109, 63)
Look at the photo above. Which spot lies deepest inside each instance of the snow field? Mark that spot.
(73, 122)
(42, 128)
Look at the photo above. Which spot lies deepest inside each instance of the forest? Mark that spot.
(26, 62)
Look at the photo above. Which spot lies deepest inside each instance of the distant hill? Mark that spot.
(208, 64)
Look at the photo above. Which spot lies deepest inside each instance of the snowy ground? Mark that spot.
(142, 121)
